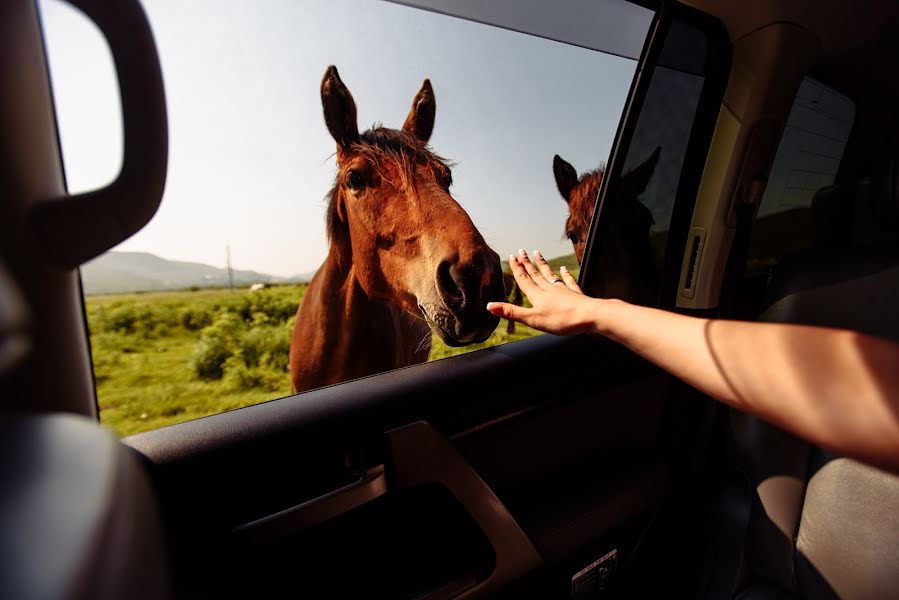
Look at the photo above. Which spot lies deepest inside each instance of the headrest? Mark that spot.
(856, 288)
(883, 193)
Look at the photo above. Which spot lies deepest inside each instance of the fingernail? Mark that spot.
(512, 258)
(537, 254)
(522, 253)
(489, 305)
(563, 269)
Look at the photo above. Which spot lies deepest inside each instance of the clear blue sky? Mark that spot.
(250, 157)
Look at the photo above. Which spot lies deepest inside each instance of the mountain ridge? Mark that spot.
(126, 272)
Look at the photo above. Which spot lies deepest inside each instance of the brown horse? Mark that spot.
(404, 259)
(627, 268)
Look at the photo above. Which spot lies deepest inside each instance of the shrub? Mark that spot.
(265, 346)
(135, 318)
(241, 377)
(274, 303)
(210, 354)
(195, 318)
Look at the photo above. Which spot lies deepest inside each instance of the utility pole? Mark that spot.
(230, 272)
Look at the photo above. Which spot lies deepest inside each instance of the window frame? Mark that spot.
(719, 59)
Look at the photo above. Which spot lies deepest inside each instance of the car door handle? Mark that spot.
(371, 485)
(422, 455)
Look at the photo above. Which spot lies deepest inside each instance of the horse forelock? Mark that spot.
(384, 147)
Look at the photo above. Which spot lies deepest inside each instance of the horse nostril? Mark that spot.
(449, 286)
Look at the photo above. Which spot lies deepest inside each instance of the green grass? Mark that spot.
(165, 357)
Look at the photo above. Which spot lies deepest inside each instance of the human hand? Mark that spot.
(559, 305)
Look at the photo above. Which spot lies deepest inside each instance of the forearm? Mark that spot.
(835, 388)
(829, 386)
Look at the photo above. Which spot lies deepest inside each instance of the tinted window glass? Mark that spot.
(632, 236)
(801, 208)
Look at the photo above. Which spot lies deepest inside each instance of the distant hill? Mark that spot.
(123, 272)
(569, 260)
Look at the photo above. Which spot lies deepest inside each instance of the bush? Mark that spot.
(265, 346)
(231, 343)
(135, 318)
(210, 354)
(195, 318)
(275, 304)
(241, 377)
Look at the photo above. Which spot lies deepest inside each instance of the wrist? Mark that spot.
(598, 315)
(591, 316)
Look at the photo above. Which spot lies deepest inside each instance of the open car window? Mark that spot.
(373, 161)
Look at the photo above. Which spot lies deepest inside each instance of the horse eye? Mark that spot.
(355, 181)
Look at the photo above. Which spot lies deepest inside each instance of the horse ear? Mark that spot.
(566, 176)
(340, 109)
(420, 122)
(634, 182)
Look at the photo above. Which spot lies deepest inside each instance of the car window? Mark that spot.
(801, 208)
(367, 162)
(638, 243)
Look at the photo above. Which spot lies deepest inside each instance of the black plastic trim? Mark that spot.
(452, 394)
(639, 87)
(719, 59)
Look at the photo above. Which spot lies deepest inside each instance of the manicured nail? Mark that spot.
(537, 254)
(563, 269)
(522, 253)
(512, 258)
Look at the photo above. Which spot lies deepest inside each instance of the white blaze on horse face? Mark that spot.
(420, 278)
(449, 228)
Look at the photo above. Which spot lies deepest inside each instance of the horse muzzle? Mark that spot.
(464, 290)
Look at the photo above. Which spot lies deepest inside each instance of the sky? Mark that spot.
(250, 159)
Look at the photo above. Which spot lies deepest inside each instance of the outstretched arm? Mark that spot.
(836, 388)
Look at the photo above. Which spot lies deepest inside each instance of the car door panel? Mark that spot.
(231, 484)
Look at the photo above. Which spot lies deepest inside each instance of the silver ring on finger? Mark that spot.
(555, 281)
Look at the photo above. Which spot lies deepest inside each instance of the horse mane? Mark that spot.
(381, 145)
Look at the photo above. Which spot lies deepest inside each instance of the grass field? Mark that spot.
(166, 357)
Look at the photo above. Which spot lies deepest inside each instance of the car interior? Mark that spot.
(486, 474)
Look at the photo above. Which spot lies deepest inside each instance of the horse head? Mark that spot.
(627, 269)
(391, 216)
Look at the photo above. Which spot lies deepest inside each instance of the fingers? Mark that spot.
(538, 279)
(525, 282)
(543, 266)
(569, 280)
(507, 311)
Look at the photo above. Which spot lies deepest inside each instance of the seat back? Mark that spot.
(78, 518)
(825, 526)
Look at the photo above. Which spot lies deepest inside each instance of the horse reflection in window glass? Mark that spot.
(627, 268)
(404, 259)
